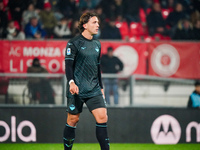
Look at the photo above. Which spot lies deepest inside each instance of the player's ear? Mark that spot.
(85, 26)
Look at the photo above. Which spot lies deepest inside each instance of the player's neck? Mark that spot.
(87, 35)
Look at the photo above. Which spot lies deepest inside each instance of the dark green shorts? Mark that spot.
(75, 103)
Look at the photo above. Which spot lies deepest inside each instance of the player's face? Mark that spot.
(92, 26)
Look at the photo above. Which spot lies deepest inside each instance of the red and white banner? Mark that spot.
(175, 59)
(18, 55)
(133, 56)
(171, 59)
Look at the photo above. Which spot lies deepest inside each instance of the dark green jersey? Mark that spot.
(85, 55)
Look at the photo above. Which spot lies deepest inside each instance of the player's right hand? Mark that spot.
(73, 88)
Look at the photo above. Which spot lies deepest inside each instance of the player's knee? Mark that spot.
(72, 121)
(102, 119)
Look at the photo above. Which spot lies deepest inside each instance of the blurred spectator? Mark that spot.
(177, 15)
(39, 87)
(55, 8)
(48, 19)
(54, 4)
(184, 31)
(187, 4)
(155, 21)
(3, 19)
(38, 4)
(62, 29)
(74, 28)
(58, 15)
(118, 8)
(88, 4)
(111, 65)
(68, 8)
(107, 7)
(131, 10)
(194, 99)
(197, 30)
(33, 29)
(3, 16)
(174, 17)
(12, 33)
(110, 31)
(16, 8)
(5, 3)
(196, 4)
(167, 4)
(102, 16)
(28, 14)
(147, 4)
(112, 8)
(195, 15)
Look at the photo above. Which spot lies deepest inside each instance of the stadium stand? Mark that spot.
(111, 9)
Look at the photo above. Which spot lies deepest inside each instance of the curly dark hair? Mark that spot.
(84, 19)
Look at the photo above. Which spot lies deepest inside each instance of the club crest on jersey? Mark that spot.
(69, 51)
(97, 49)
(83, 48)
(69, 43)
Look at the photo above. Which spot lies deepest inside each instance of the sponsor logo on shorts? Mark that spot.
(71, 107)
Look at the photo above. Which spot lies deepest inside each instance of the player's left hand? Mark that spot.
(73, 88)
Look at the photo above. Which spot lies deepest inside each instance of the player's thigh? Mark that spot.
(100, 115)
(95, 102)
(97, 106)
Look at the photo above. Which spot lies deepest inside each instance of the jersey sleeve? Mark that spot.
(70, 55)
(70, 52)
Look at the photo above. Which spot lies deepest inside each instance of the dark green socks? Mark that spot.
(102, 136)
(68, 137)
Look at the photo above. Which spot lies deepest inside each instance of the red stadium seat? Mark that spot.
(17, 26)
(167, 38)
(142, 15)
(9, 15)
(123, 28)
(136, 29)
(159, 37)
(5, 3)
(165, 13)
(135, 38)
(148, 38)
(148, 11)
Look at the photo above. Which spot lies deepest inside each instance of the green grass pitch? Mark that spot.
(113, 146)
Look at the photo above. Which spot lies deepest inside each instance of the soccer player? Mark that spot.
(82, 60)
